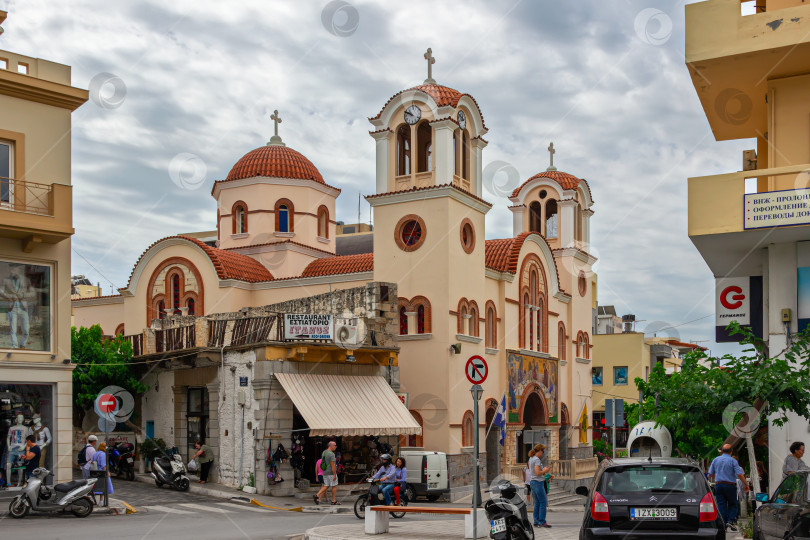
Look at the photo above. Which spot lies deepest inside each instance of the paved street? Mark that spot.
(162, 513)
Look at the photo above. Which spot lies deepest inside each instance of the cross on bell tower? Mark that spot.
(551, 153)
(430, 61)
(275, 140)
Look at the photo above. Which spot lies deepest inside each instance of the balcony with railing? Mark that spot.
(35, 212)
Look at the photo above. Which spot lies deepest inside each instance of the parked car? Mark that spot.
(427, 474)
(787, 513)
(635, 498)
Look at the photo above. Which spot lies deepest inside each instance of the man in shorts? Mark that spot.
(329, 468)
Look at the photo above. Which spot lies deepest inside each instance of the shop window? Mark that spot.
(28, 409)
(404, 150)
(467, 429)
(25, 296)
(197, 419)
(424, 162)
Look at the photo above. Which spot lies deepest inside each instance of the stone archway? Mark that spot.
(565, 432)
(533, 415)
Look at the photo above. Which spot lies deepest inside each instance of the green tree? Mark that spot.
(100, 361)
(691, 402)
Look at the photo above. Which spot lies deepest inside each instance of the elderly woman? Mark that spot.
(205, 457)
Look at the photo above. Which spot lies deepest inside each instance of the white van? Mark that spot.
(427, 473)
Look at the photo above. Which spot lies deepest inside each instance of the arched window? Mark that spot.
(404, 150)
(551, 219)
(462, 319)
(467, 429)
(176, 293)
(587, 345)
(582, 345)
(285, 216)
(541, 305)
(416, 440)
(456, 156)
(491, 338)
(239, 213)
(465, 155)
(474, 319)
(119, 330)
(323, 222)
(561, 345)
(527, 325)
(190, 306)
(161, 309)
(533, 311)
(424, 136)
(578, 223)
(420, 319)
(403, 321)
(535, 217)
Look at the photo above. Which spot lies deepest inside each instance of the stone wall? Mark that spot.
(460, 471)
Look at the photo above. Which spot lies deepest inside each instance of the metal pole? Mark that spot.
(615, 421)
(476, 486)
(242, 445)
(106, 464)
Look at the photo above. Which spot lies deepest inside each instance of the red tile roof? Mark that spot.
(293, 242)
(566, 181)
(442, 95)
(95, 297)
(228, 265)
(503, 254)
(427, 188)
(274, 161)
(344, 264)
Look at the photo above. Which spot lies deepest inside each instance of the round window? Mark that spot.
(410, 233)
(582, 282)
(543, 193)
(467, 235)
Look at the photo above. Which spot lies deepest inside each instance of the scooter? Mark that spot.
(374, 497)
(507, 514)
(122, 460)
(74, 497)
(170, 470)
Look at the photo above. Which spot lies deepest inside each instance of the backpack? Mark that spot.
(324, 463)
(81, 457)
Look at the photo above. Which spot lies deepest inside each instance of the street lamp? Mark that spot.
(476, 391)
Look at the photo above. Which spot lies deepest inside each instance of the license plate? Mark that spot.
(498, 525)
(130, 460)
(433, 486)
(653, 513)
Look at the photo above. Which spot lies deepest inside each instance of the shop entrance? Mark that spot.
(21, 405)
(197, 417)
(357, 456)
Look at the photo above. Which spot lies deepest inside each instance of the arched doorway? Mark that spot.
(492, 443)
(534, 417)
(565, 432)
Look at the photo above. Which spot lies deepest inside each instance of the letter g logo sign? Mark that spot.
(737, 297)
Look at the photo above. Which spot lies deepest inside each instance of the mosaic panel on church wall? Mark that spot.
(528, 370)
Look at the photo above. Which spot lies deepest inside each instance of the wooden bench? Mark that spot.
(377, 521)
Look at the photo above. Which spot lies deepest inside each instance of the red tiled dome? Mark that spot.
(443, 96)
(566, 181)
(275, 161)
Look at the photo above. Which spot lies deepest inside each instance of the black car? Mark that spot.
(787, 513)
(639, 498)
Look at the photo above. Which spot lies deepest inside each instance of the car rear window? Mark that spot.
(655, 479)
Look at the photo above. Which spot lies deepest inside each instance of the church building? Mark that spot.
(524, 303)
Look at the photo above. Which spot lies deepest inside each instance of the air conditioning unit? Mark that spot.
(346, 336)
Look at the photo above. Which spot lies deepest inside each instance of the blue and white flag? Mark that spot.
(500, 419)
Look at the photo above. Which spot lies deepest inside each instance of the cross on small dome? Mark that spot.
(551, 153)
(430, 61)
(275, 140)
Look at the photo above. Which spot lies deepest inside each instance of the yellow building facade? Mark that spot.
(36, 223)
(523, 303)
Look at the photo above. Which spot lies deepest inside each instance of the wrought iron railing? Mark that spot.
(25, 196)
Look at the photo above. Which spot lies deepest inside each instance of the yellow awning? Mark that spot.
(340, 405)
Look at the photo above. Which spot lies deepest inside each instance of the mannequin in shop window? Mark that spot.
(15, 442)
(43, 435)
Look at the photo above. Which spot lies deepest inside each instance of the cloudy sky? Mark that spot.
(180, 90)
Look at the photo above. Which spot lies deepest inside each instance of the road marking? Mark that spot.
(206, 508)
(167, 509)
(243, 507)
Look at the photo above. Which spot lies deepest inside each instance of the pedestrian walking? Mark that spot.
(725, 471)
(86, 456)
(329, 470)
(537, 482)
(99, 463)
(794, 463)
(205, 457)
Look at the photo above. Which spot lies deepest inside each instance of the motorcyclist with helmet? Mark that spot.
(387, 475)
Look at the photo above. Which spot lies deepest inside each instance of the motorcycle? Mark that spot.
(374, 497)
(122, 460)
(74, 497)
(170, 470)
(507, 514)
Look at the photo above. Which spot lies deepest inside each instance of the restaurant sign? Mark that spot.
(303, 326)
